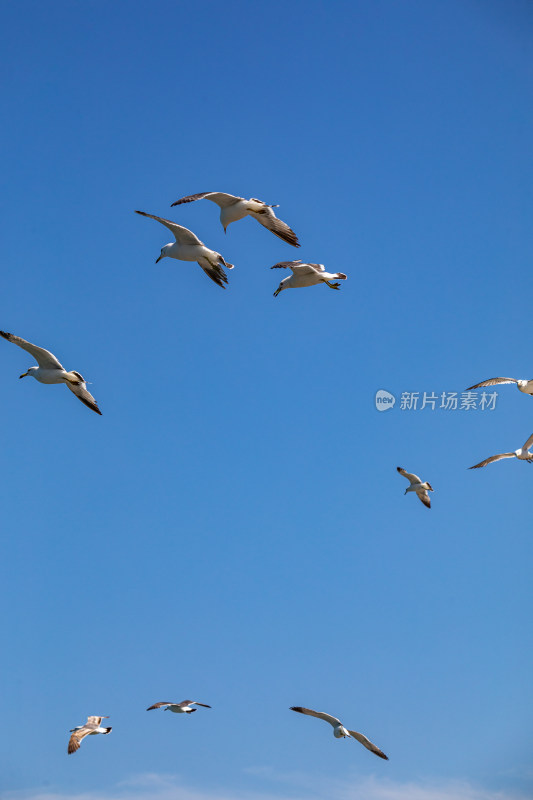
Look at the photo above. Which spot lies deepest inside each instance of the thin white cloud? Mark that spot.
(169, 787)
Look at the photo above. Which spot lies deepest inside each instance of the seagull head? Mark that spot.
(163, 253)
(281, 287)
(29, 372)
(430, 487)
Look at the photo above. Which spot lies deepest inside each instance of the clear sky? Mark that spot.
(233, 529)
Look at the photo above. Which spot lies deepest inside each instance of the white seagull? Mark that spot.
(233, 208)
(340, 732)
(188, 247)
(304, 274)
(522, 385)
(179, 708)
(417, 486)
(51, 371)
(522, 453)
(91, 728)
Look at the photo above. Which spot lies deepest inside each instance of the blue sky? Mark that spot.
(233, 528)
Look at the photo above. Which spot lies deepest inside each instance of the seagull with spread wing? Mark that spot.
(51, 371)
(91, 728)
(417, 486)
(304, 274)
(179, 708)
(522, 385)
(522, 453)
(188, 247)
(233, 208)
(339, 731)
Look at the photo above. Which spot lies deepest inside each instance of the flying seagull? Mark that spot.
(51, 371)
(522, 453)
(91, 728)
(417, 486)
(233, 208)
(339, 731)
(304, 274)
(522, 385)
(179, 708)
(188, 247)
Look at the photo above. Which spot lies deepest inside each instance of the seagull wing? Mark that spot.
(95, 720)
(424, 497)
(182, 235)
(44, 358)
(411, 477)
(492, 382)
(193, 703)
(297, 267)
(83, 394)
(74, 743)
(80, 734)
(268, 219)
(491, 459)
(220, 198)
(528, 443)
(368, 744)
(320, 714)
(160, 705)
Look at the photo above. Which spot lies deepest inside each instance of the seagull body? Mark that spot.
(304, 274)
(179, 708)
(233, 208)
(523, 386)
(522, 453)
(188, 247)
(91, 728)
(339, 731)
(417, 486)
(51, 371)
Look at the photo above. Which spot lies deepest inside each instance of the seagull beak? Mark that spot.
(158, 259)
(277, 292)
(23, 376)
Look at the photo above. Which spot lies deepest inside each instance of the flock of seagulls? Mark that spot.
(93, 726)
(188, 247)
